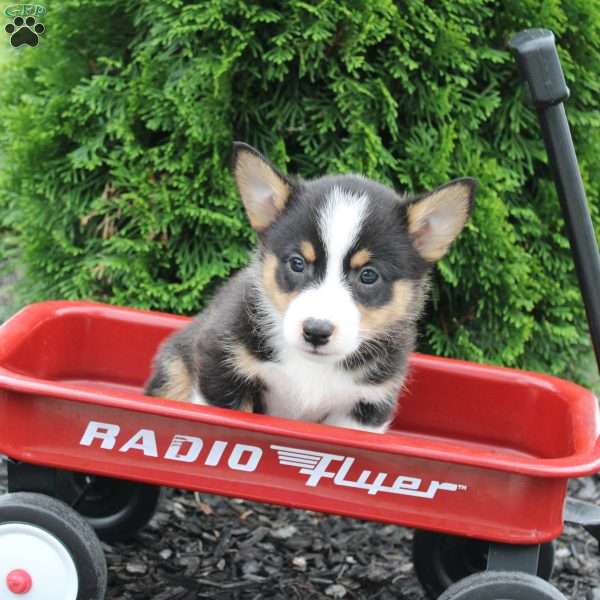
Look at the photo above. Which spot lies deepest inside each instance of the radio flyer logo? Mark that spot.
(315, 465)
(318, 466)
(25, 26)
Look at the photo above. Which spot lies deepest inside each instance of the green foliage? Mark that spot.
(116, 134)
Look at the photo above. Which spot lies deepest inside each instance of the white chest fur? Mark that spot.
(300, 387)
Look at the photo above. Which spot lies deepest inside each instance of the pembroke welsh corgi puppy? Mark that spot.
(320, 324)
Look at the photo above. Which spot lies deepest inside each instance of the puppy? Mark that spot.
(319, 326)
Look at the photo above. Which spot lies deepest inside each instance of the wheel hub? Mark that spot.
(36, 563)
(19, 581)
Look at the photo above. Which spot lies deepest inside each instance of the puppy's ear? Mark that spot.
(435, 219)
(263, 189)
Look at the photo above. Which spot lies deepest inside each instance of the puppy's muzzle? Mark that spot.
(317, 331)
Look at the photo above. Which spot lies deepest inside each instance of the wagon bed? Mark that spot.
(473, 450)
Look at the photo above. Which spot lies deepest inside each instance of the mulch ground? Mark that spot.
(211, 547)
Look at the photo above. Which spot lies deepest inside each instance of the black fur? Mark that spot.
(204, 347)
(235, 317)
(384, 232)
(369, 413)
(382, 358)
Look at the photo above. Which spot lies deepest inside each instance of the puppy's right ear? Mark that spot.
(263, 189)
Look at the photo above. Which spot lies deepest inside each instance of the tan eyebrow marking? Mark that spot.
(360, 258)
(308, 251)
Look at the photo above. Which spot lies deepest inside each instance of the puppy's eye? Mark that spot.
(368, 276)
(296, 263)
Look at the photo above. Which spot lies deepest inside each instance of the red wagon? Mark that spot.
(477, 457)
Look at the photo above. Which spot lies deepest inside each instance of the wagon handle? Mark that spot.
(540, 68)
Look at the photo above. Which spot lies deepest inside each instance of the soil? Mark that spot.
(210, 547)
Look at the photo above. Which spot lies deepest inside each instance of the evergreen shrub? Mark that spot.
(116, 137)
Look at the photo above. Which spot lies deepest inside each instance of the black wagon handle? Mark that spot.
(535, 50)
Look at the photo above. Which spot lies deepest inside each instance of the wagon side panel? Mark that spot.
(356, 482)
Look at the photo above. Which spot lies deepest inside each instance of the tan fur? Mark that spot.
(246, 406)
(179, 383)
(374, 320)
(243, 362)
(280, 299)
(360, 259)
(246, 366)
(251, 174)
(308, 251)
(451, 203)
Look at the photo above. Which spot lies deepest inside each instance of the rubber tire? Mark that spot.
(120, 507)
(430, 552)
(67, 527)
(502, 585)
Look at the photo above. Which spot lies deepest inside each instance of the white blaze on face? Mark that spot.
(331, 300)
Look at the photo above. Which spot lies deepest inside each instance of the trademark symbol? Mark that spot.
(462, 488)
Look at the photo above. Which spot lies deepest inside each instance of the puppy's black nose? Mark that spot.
(317, 331)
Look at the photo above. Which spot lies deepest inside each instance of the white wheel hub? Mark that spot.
(43, 557)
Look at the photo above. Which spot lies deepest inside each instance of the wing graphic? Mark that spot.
(308, 461)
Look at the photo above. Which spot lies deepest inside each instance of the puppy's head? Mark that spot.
(343, 257)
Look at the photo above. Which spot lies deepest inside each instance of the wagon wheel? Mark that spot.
(493, 585)
(115, 508)
(48, 551)
(441, 560)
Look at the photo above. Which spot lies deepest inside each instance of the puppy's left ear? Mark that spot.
(436, 218)
(263, 189)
